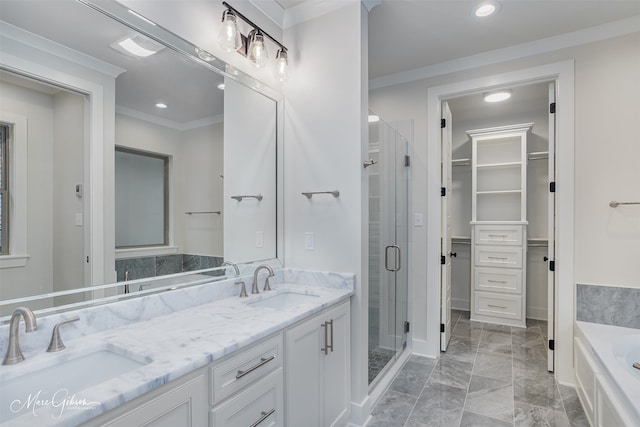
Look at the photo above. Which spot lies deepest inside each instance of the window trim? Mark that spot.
(5, 223)
(167, 212)
(17, 180)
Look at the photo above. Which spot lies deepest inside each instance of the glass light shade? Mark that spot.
(257, 52)
(282, 65)
(229, 36)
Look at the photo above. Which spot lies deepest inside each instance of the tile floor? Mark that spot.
(491, 375)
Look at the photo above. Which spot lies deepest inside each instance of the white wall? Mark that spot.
(203, 156)
(250, 159)
(607, 89)
(325, 132)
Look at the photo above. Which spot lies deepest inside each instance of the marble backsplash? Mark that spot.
(113, 315)
(608, 305)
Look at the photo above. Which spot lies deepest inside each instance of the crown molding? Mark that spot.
(150, 118)
(537, 47)
(43, 44)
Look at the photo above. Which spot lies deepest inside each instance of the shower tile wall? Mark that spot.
(608, 305)
(152, 266)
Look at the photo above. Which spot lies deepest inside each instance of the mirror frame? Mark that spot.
(97, 123)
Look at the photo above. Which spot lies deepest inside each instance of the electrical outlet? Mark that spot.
(259, 239)
(309, 241)
(78, 219)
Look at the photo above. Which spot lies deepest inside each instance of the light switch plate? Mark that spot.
(78, 220)
(418, 220)
(309, 243)
(259, 239)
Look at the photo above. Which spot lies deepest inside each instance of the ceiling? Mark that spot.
(410, 34)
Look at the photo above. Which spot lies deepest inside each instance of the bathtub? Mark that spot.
(614, 349)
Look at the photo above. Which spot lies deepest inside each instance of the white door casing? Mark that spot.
(551, 224)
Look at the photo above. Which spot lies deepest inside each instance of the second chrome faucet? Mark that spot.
(254, 288)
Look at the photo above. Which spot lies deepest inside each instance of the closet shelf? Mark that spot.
(499, 165)
(480, 193)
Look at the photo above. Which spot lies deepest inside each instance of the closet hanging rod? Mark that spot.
(615, 204)
(539, 155)
(310, 194)
(258, 197)
(461, 162)
(203, 212)
(532, 242)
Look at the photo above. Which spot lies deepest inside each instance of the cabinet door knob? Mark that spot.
(454, 254)
(546, 259)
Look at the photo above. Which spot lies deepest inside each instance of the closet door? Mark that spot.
(445, 251)
(551, 256)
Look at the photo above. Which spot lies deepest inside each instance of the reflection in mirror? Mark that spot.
(161, 101)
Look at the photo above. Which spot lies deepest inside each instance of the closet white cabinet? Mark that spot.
(317, 370)
(499, 224)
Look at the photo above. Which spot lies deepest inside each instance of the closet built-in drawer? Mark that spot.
(498, 256)
(246, 367)
(498, 234)
(502, 306)
(498, 280)
(259, 405)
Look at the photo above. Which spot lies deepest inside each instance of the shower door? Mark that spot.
(388, 246)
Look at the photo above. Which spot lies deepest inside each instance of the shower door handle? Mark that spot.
(397, 258)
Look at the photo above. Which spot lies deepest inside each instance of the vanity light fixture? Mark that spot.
(497, 96)
(253, 44)
(487, 8)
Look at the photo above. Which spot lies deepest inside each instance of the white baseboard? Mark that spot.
(538, 313)
(460, 304)
(360, 412)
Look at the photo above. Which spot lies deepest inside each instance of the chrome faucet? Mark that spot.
(14, 355)
(234, 265)
(254, 288)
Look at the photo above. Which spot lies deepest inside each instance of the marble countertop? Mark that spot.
(175, 344)
(615, 348)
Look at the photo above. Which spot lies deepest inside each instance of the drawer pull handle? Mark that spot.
(498, 235)
(265, 415)
(503, 258)
(496, 281)
(263, 361)
(497, 306)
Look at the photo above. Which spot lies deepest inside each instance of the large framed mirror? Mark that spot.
(134, 160)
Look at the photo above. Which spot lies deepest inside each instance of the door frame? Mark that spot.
(563, 75)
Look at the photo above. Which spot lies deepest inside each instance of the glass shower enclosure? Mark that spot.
(388, 172)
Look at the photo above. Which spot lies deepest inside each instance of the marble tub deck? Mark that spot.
(491, 375)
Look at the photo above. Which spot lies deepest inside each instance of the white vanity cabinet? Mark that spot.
(317, 370)
(182, 402)
(499, 224)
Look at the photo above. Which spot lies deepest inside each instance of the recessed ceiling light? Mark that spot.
(137, 45)
(221, 86)
(487, 8)
(373, 118)
(161, 105)
(497, 96)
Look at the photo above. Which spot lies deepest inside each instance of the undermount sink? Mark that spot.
(62, 380)
(285, 300)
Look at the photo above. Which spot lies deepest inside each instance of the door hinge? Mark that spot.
(441, 327)
(552, 345)
(443, 123)
(552, 108)
(407, 160)
(443, 259)
(552, 266)
(87, 259)
(407, 327)
(443, 191)
(552, 187)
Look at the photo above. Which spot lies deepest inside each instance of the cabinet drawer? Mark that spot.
(261, 405)
(242, 369)
(502, 306)
(498, 280)
(498, 256)
(498, 235)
